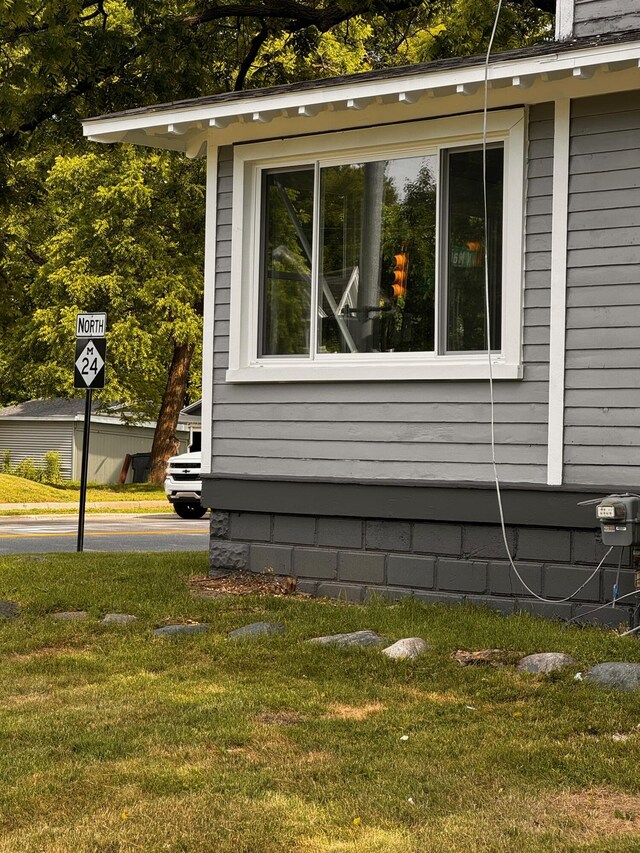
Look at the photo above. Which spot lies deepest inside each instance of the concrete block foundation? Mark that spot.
(356, 558)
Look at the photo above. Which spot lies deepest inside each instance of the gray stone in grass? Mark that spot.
(409, 647)
(118, 619)
(355, 638)
(170, 630)
(70, 615)
(615, 674)
(546, 662)
(257, 629)
(9, 610)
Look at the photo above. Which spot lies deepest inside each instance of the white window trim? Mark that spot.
(403, 140)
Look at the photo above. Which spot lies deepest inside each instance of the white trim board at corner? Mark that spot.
(208, 320)
(558, 277)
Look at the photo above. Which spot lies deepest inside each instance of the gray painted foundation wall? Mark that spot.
(436, 430)
(450, 563)
(596, 17)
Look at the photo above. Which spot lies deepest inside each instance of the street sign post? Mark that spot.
(89, 369)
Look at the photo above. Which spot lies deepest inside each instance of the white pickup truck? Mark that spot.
(183, 485)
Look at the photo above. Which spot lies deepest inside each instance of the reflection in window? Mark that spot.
(466, 314)
(377, 267)
(286, 262)
(377, 256)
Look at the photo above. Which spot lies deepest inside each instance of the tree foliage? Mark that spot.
(121, 232)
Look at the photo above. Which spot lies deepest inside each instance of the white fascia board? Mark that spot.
(113, 421)
(338, 95)
(35, 420)
(79, 418)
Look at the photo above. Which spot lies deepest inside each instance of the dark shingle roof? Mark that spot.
(406, 71)
(57, 408)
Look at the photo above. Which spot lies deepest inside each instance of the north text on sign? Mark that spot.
(91, 325)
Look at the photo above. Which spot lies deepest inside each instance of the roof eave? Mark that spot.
(186, 126)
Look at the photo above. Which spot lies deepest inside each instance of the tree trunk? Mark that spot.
(164, 440)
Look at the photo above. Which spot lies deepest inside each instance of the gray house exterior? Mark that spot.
(369, 470)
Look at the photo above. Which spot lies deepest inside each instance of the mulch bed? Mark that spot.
(243, 583)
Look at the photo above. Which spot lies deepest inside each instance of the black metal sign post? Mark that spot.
(84, 468)
(91, 356)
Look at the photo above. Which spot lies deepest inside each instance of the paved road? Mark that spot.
(45, 534)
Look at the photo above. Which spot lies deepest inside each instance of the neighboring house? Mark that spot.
(191, 418)
(31, 429)
(350, 444)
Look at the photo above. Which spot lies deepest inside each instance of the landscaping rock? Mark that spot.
(546, 662)
(70, 615)
(257, 629)
(170, 630)
(410, 647)
(118, 619)
(618, 675)
(355, 638)
(9, 610)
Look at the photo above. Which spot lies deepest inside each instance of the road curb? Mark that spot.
(92, 505)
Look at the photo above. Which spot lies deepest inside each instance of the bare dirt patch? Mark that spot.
(22, 700)
(48, 651)
(590, 814)
(280, 718)
(243, 583)
(486, 657)
(353, 712)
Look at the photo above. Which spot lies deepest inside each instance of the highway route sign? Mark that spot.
(91, 356)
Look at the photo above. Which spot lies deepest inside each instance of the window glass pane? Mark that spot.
(377, 256)
(286, 262)
(466, 325)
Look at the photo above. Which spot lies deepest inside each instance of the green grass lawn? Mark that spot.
(18, 490)
(114, 740)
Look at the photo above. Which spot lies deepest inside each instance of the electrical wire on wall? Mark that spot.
(494, 463)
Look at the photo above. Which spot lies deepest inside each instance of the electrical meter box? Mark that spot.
(618, 517)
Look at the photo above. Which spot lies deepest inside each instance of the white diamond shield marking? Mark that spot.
(89, 363)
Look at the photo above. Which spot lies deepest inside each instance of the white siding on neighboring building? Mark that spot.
(108, 446)
(34, 438)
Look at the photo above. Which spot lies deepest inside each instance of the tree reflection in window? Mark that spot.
(286, 267)
(466, 290)
(371, 213)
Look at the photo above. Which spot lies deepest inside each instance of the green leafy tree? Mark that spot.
(124, 235)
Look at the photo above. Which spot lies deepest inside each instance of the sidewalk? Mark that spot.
(71, 505)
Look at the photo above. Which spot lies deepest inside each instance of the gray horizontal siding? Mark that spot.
(356, 469)
(428, 416)
(394, 430)
(596, 17)
(437, 437)
(34, 439)
(602, 417)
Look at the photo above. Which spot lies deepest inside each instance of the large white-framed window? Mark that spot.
(359, 255)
